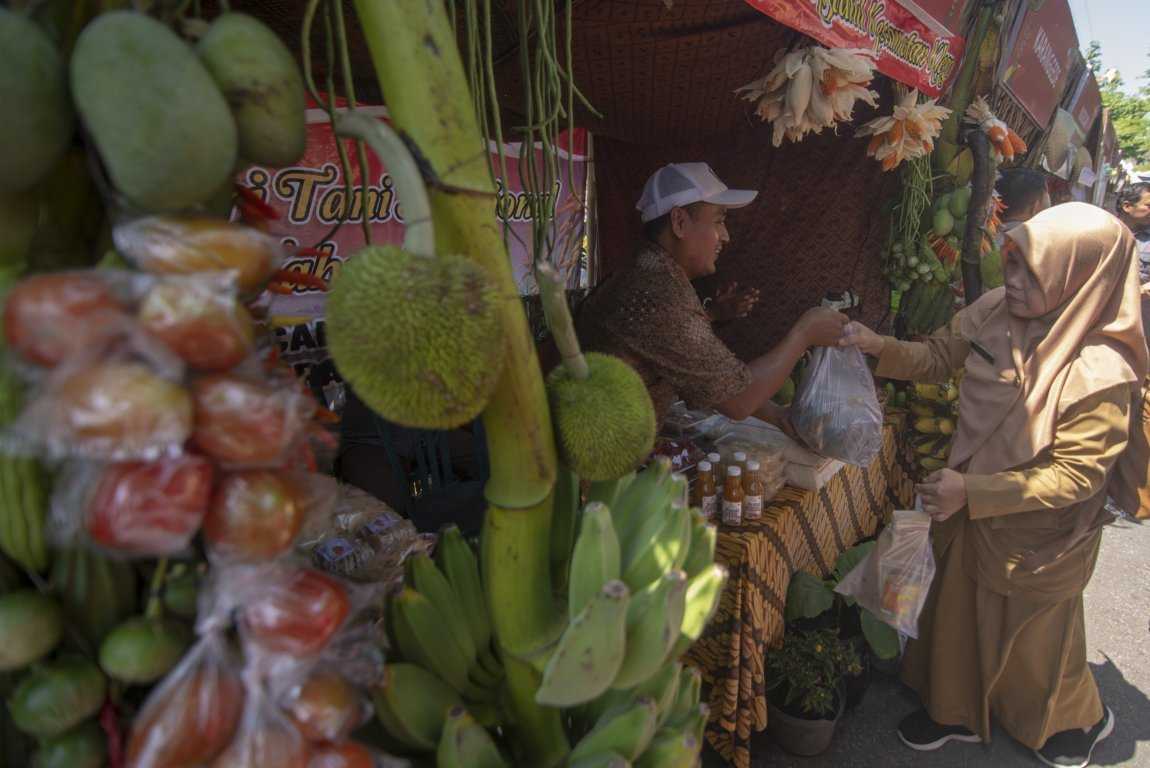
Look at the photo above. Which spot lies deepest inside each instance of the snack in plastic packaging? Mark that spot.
(205, 327)
(893, 581)
(254, 515)
(246, 424)
(326, 707)
(266, 737)
(192, 716)
(137, 508)
(172, 245)
(363, 540)
(50, 317)
(295, 611)
(836, 411)
(112, 411)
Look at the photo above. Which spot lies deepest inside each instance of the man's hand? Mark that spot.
(855, 334)
(821, 327)
(780, 416)
(731, 304)
(943, 493)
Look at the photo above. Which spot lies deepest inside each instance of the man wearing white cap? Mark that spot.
(650, 315)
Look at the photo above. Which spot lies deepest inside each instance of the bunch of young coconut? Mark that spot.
(602, 414)
(416, 334)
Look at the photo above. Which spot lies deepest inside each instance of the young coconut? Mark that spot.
(603, 417)
(417, 335)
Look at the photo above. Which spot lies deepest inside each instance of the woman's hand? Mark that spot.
(855, 334)
(821, 327)
(943, 493)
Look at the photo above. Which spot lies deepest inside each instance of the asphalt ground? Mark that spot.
(1118, 639)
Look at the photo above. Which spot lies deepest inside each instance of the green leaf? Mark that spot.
(807, 597)
(852, 557)
(881, 637)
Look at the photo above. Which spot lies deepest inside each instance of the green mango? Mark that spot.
(54, 698)
(143, 650)
(31, 625)
(261, 81)
(37, 124)
(156, 116)
(85, 746)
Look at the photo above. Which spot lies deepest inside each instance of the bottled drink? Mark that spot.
(717, 468)
(733, 497)
(740, 461)
(705, 494)
(754, 489)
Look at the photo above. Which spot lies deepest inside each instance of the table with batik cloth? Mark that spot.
(799, 530)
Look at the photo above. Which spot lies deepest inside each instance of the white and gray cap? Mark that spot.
(679, 184)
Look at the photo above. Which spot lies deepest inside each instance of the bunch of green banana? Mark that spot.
(23, 493)
(933, 420)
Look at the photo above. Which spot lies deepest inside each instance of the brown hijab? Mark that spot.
(1083, 259)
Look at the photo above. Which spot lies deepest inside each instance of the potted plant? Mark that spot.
(812, 603)
(806, 690)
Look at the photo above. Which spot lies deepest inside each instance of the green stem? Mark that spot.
(558, 314)
(420, 73)
(388, 146)
(155, 605)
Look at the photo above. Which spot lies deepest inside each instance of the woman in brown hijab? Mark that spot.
(1052, 361)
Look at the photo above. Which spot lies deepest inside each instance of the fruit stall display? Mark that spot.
(178, 585)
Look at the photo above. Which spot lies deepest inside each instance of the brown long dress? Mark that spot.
(1045, 414)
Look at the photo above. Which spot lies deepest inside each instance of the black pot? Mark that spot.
(855, 686)
(800, 735)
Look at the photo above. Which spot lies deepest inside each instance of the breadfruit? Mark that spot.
(262, 84)
(418, 338)
(605, 424)
(159, 122)
(37, 123)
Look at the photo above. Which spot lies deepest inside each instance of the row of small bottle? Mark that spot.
(742, 495)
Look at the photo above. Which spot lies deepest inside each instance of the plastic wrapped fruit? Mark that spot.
(193, 715)
(208, 331)
(120, 410)
(326, 707)
(47, 318)
(255, 515)
(247, 424)
(150, 508)
(297, 613)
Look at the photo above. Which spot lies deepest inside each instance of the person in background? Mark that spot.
(1133, 210)
(1023, 192)
(650, 316)
(1052, 363)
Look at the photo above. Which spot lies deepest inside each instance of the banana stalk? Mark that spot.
(417, 63)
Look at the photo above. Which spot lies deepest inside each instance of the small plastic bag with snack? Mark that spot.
(836, 411)
(893, 581)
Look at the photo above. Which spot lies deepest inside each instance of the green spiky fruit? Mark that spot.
(605, 423)
(419, 339)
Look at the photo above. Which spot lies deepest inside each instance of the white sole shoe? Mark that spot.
(1105, 732)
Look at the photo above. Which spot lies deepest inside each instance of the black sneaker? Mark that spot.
(919, 732)
(1072, 749)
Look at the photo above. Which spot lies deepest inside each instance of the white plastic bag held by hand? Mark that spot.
(836, 411)
(894, 579)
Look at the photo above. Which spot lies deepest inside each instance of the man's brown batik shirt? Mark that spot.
(650, 316)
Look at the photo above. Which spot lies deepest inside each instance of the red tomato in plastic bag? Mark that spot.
(255, 515)
(49, 317)
(192, 722)
(346, 755)
(208, 331)
(238, 422)
(266, 745)
(327, 708)
(297, 615)
(150, 508)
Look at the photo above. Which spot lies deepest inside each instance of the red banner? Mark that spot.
(1039, 63)
(907, 49)
(309, 197)
(1087, 103)
(944, 16)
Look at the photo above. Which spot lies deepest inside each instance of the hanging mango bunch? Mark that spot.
(906, 134)
(810, 89)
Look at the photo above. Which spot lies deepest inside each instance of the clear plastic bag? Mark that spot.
(287, 609)
(892, 582)
(266, 736)
(134, 509)
(248, 423)
(836, 411)
(191, 716)
(325, 706)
